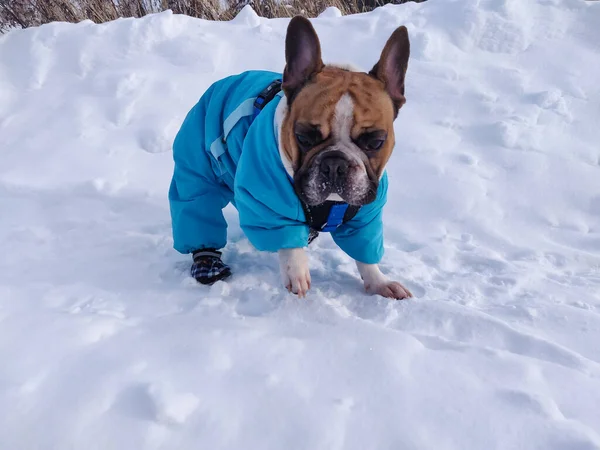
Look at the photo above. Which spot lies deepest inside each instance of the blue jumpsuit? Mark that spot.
(223, 155)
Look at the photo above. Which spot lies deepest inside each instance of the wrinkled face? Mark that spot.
(338, 135)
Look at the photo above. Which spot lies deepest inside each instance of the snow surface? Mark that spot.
(493, 222)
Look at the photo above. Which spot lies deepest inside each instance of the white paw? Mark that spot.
(293, 264)
(389, 289)
(377, 283)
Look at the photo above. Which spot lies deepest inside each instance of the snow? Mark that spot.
(493, 222)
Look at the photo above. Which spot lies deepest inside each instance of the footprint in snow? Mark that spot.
(155, 402)
(157, 139)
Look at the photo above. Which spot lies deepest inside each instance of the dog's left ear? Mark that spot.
(392, 65)
(302, 56)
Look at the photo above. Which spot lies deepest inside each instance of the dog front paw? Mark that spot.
(389, 289)
(378, 284)
(295, 274)
(298, 283)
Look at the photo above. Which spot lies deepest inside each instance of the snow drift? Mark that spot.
(493, 221)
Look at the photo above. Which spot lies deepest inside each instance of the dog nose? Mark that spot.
(334, 168)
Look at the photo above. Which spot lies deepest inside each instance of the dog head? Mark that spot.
(337, 133)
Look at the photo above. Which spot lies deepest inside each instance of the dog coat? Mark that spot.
(224, 154)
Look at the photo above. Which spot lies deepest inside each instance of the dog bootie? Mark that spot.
(208, 267)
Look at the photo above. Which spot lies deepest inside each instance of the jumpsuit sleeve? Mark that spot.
(270, 212)
(267, 219)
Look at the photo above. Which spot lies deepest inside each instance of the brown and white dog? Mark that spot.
(332, 121)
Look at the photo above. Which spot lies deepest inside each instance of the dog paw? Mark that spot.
(378, 284)
(298, 284)
(389, 289)
(294, 271)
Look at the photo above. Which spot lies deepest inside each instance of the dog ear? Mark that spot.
(302, 56)
(392, 65)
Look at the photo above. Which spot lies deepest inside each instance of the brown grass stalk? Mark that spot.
(30, 13)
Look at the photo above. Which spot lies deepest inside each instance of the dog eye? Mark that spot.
(305, 141)
(375, 144)
(372, 141)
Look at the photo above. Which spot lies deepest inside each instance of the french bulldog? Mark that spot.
(332, 134)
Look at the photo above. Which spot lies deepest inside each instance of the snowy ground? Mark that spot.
(493, 222)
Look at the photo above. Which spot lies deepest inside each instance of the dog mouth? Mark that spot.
(334, 173)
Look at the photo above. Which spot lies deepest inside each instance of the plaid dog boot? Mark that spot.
(208, 267)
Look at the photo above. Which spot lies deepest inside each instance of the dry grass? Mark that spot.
(30, 13)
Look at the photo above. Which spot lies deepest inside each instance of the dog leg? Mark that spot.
(378, 283)
(295, 274)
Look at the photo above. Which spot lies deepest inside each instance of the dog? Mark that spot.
(296, 153)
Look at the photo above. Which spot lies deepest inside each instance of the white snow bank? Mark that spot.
(493, 222)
